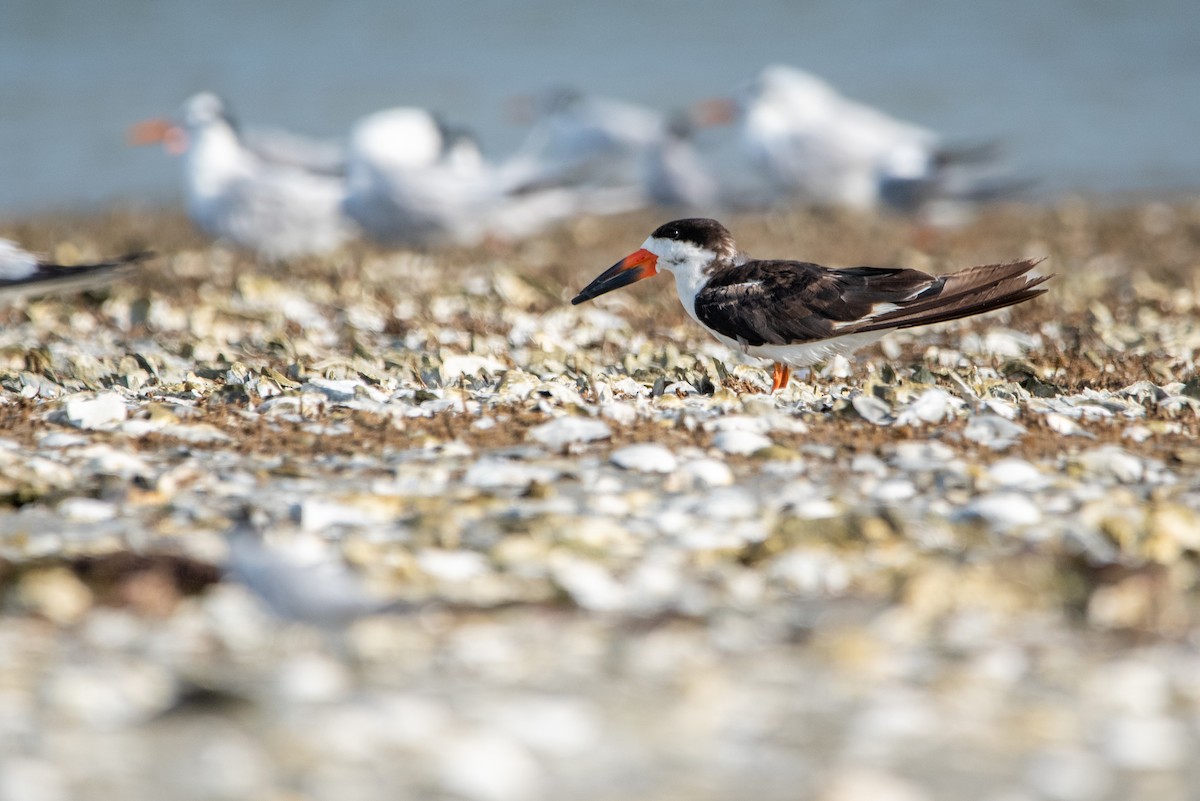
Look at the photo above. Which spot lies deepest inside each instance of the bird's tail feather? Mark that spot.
(965, 293)
(57, 278)
(116, 261)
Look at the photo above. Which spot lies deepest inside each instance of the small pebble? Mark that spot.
(872, 409)
(1004, 510)
(336, 391)
(87, 510)
(934, 405)
(645, 458)
(1017, 474)
(1066, 426)
(452, 565)
(106, 409)
(993, 431)
(1146, 742)
(701, 473)
(740, 443)
(564, 431)
(1069, 774)
(1112, 463)
(485, 766)
(894, 490)
(863, 784)
(55, 593)
(25, 779)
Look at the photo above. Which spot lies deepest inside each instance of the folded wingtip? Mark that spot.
(136, 256)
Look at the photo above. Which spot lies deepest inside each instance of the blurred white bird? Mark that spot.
(647, 156)
(23, 274)
(270, 143)
(811, 143)
(279, 211)
(579, 139)
(675, 175)
(285, 147)
(405, 185)
(411, 181)
(404, 137)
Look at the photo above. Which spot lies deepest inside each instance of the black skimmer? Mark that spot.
(280, 211)
(24, 274)
(796, 313)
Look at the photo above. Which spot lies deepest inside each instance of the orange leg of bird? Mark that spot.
(781, 376)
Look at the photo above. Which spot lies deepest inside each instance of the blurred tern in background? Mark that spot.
(411, 181)
(280, 211)
(23, 274)
(811, 143)
(676, 175)
(407, 137)
(270, 143)
(407, 179)
(578, 139)
(288, 148)
(404, 178)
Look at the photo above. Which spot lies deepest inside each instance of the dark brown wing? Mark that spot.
(784, 302)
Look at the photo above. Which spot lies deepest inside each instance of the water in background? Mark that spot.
(1085, 94)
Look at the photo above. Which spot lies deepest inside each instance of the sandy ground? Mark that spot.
(402, 524)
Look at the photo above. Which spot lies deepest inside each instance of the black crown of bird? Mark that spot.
(797, 313)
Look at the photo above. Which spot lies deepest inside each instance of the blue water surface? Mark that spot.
(1091, 95)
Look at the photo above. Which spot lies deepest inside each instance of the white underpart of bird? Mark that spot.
(813, 143)
(278, 211)
(16, 264)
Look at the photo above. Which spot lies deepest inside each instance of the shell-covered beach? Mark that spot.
(580, 551)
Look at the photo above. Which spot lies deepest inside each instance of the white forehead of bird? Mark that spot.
(15, 263)
(675, 255)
